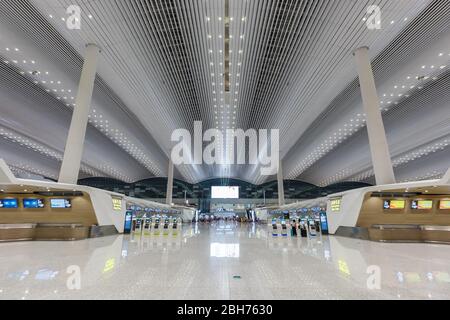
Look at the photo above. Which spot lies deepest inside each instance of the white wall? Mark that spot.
(351, 203)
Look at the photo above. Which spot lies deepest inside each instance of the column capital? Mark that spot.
(91, 44)
(360, 48)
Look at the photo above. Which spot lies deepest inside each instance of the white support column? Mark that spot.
(280, 179)
(381, 159)
(169, 183)
(75, 140)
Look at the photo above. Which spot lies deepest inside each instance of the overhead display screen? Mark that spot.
(33, 203)
(422, 204)
(394, 204)
(60, 203)
(444, 205)
(8, 204)
(225, 192)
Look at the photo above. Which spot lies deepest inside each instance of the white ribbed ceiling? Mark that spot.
(281, 64)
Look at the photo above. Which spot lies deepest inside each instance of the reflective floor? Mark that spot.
(223, 261)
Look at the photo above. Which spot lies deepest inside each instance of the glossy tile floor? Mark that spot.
(223, 261)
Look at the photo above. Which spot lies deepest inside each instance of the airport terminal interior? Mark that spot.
(224, 149)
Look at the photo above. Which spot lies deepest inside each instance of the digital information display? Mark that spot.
(8, 204)
(225, 192)
(60, 203)
(422, 204)
(444, 205)
(336, 205)
(394, 204)
(33, 203)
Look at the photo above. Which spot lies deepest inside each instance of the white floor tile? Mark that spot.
(223, 261)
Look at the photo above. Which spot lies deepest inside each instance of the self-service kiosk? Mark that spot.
(138, 226)
(147, 226)
(284, 228)
(175, 226)
(156, 229)
(274, 228)
(166, 227)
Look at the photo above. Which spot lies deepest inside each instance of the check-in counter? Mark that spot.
(36, 232)
(410, 233)
(61, 232)
(17, 232)
(439, 234)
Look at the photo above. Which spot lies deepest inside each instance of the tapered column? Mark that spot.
(169, 183)
(75, 140)
(381, 159)
(280, 179)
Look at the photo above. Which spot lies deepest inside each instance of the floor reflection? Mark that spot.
(223, 261)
